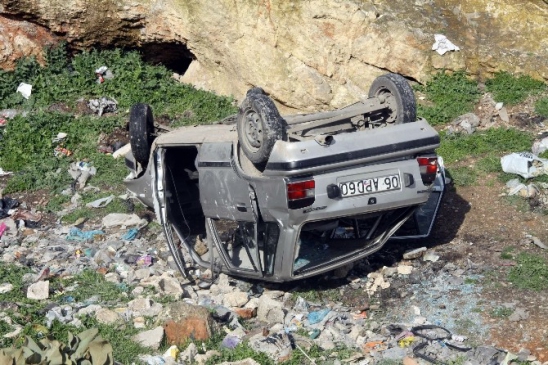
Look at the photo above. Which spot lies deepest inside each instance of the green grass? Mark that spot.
(463, 176)
(495, 141)
(501, 312)
(541, 107)
(27, 148)
(531, 272)
(506, 253)
(511, 89)
(447, 97)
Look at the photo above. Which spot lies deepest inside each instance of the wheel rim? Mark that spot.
(391, 103)
(253, 130)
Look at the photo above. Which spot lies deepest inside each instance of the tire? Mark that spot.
(398, 94)
(141, 128)
(259, 125)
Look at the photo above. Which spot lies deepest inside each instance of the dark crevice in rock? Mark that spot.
(174, 56)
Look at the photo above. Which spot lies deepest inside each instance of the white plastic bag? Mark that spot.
(524, 164)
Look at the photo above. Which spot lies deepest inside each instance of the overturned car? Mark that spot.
(285, 198)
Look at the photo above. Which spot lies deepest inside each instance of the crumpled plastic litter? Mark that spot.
(318, 316)
(103, 73)
(515, 187)
(6, 205)
(130, 235)
(59, 137)
(443, 45)
(540, 146)
(301, 305)
(123, 219)
(76, 234)
(172, 352)
(103, 105)
(24, 89)
(3, 228)
(5, 173)
(152, 360)
(525, 164)
(145, 260)
(230, 341)
(100, 203)
(81, 171)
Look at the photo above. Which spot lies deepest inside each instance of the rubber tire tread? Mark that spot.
(403, 93)
(141, 128)
(273, 125)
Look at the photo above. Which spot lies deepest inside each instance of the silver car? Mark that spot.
(285, 198)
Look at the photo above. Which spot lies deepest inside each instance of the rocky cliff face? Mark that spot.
(308, 55)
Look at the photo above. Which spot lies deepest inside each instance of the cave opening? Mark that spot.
(175, 56)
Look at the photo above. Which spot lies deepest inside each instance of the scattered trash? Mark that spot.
(230, 341)
(103, 105)
(100, 203)
(130, 235)
(81, 172)
(61, 151)
(10, 113)
(60, 137)
(27, 216)
(317, 316)
(515, 187)
(443, 45)
(6, 206)
(172, 352)
(76, 234)
(5, 173)
(525, 164)
(145, 260)
(3, 228)
(540, 146)
(414, 254)
(314, 334)
(466, 123)
(103, 73)
(122, 219)
(24, 89)
(430, 256)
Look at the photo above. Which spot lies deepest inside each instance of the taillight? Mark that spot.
(429, 168)
(301, 194)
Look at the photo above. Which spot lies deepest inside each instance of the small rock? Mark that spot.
(539, 243)
(152, 338)
(413, 254)
(188, 356)
(270, 310)
(503, 114)
(235, 299)
(405, 269)
(107, 316)
(39, 290)
(5, 288)
(245, 313)
(183, 321)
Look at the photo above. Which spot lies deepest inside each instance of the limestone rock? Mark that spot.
(39, 290)
(308, 55)
(152, 338)
(270, 310)
(107, 316)
(235, 299)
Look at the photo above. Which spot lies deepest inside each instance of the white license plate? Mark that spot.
(370, 186)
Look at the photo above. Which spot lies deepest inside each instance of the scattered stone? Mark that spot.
(248, 361)
(188, 356)
(405, 269)
(38, 291)
(245, 313)
(270, 310)
(235, 299)
(277, 346)
(152, 338)
(539, 243)
(107, 316)
(518, 315)
(5, 288)
(414, 254)
(183, 321)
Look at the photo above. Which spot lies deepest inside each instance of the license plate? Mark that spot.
(370, 186)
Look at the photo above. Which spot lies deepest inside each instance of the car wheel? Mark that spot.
(141, 128)
(396, 92)
(259, 125)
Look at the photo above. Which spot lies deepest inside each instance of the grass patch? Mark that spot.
(501, 312)
(531, 272)
(89, 284)
(506, 253)
(447, 97)
(541, 107)
(463, 176)
(511, 89)
(494, 141)
(27, 148)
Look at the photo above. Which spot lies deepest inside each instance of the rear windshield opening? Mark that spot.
(322, 243)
